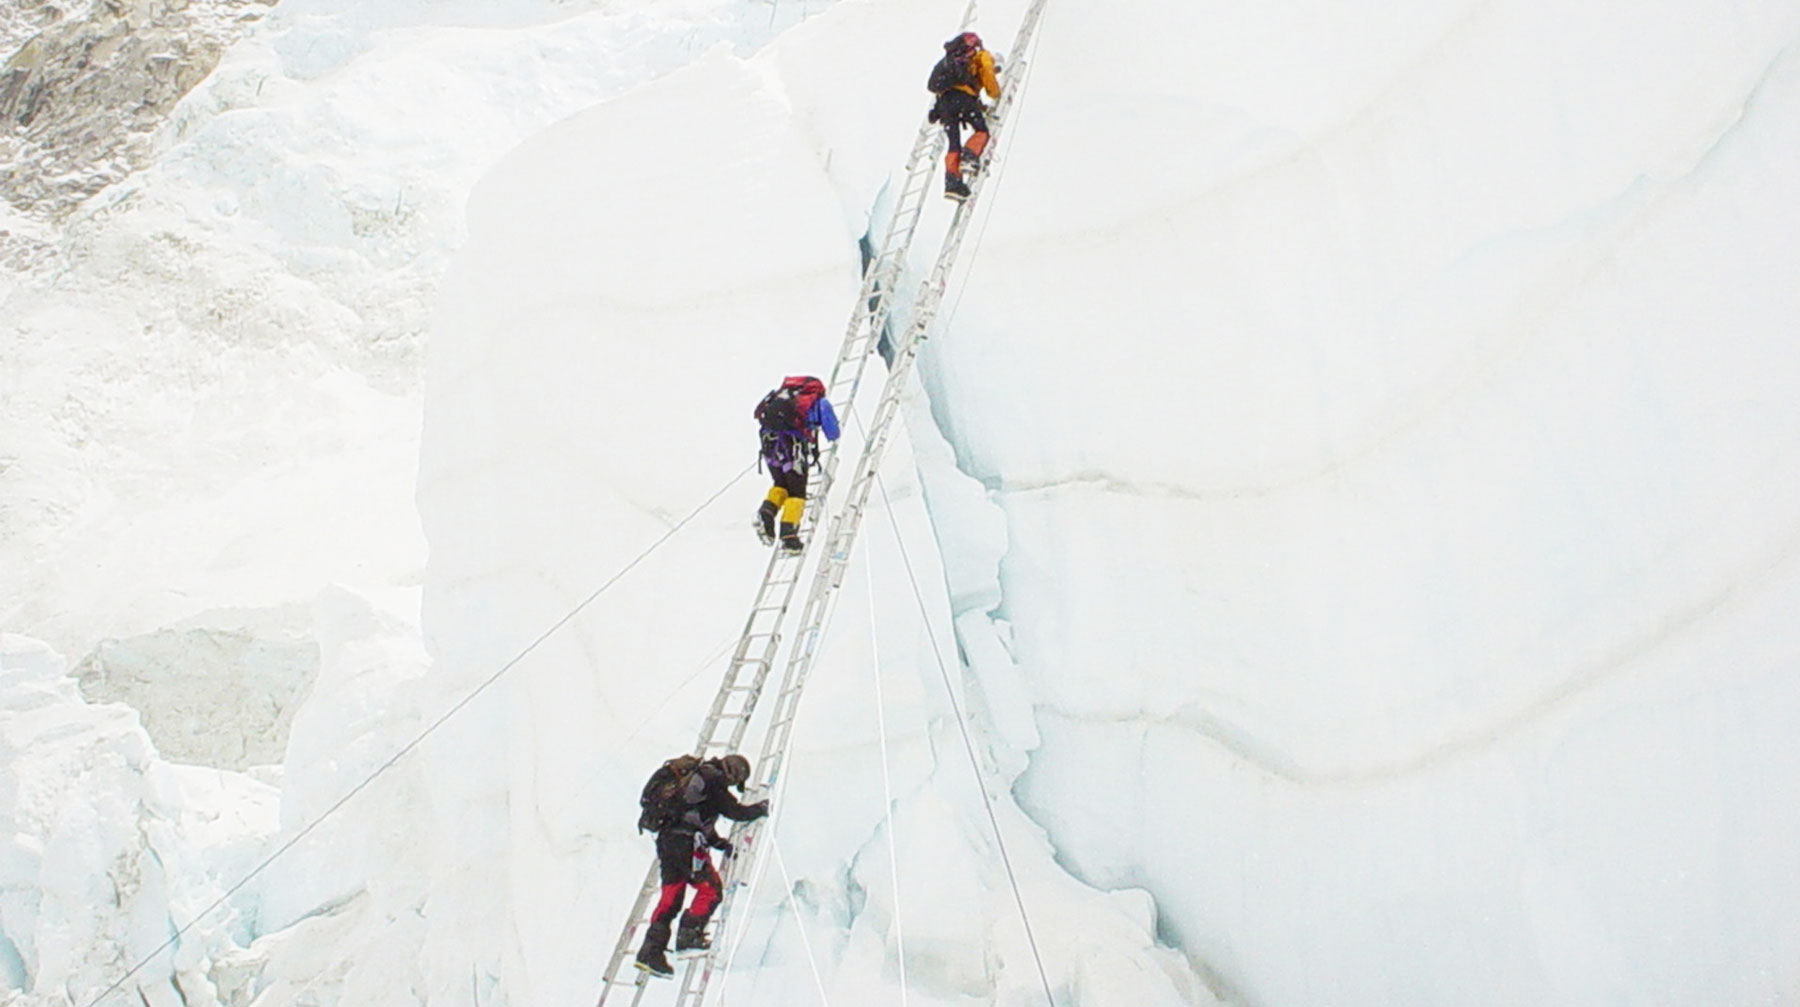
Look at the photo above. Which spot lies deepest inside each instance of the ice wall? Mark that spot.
(107, 850)
(1389, 412)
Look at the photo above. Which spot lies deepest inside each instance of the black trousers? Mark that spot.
(956, 109)
(793, 482)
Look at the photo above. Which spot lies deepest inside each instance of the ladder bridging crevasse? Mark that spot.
(754, 657)
(736, 702)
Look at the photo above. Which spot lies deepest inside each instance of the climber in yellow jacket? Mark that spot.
(958, 79)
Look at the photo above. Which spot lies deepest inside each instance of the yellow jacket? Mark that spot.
(981, 67)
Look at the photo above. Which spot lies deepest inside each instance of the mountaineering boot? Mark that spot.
(653, 961)
(791, 509)
(650, 957)
(691, 939)
(790, 538)
(765, 522)
(955, 188)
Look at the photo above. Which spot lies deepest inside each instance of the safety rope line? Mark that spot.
(752, 887)
(969, 747)
(782, 782)
(799, 923)
(760, 871)
(647, 719)
(407, 749)
(887, 784)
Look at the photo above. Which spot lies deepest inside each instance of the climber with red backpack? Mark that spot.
(791, 417)
(682, 800)
(958, 79)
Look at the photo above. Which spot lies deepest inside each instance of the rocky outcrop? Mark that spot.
(207, 697)
(81, 100)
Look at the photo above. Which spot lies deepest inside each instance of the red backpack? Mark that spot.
(786, 407)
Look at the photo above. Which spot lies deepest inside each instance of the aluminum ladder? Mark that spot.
(754, 657)
(846, 523)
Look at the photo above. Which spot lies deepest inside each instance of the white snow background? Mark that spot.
(1352, 490)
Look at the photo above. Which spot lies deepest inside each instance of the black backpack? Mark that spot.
(780, 410)
(949, 72)
(786, 407)
(660, 806)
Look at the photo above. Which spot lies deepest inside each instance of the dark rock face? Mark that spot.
(81, 100)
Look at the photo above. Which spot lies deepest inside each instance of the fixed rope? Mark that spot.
(812, 961)
(408, 748)
(887, 783)
(962, 725)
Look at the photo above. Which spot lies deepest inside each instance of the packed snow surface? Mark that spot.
(1347, 499)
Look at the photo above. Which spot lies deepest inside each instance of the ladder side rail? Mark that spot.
(874, 298)
(874, 305)
(903, 222)
(1028, 26)
(628, 938)
(750, 665)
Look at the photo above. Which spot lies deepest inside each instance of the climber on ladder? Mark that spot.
(791, 417)
(681, 802)
(966, 70)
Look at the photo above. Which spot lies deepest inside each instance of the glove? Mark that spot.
(761, 808)
(932, 115)
(723, 845)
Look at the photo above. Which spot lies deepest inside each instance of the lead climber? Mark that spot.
(958, 79)
(681, 803)
(791, 418)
